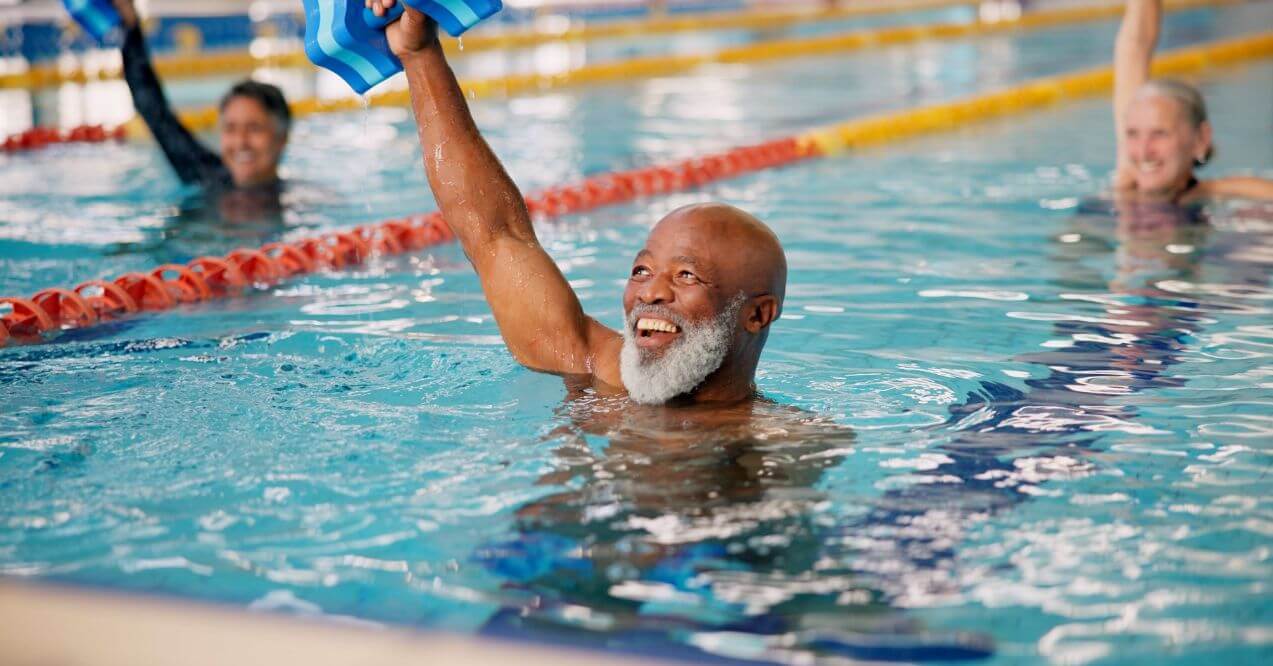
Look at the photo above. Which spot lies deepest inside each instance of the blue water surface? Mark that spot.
(1006, 422)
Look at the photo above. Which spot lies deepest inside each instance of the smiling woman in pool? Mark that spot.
(1162, 126)
(699, 300)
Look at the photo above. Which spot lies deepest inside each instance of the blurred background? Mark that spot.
(52, 74)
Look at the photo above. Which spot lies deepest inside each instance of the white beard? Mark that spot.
(684, 365)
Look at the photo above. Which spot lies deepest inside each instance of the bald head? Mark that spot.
(702, 294)
(744, 253)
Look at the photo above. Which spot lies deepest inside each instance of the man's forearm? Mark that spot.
(475, 195)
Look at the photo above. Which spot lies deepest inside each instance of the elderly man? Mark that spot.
(699, 300)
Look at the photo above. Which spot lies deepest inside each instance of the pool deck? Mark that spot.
(43, 625)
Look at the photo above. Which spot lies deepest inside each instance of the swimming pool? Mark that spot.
(1053, 428)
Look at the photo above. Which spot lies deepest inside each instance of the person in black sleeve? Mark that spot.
(255, 120)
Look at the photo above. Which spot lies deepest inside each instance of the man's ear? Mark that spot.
(761, 312)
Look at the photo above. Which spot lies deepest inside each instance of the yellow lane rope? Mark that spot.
(209, 63)
(627, 70)
(1026, 97)
(54, 309)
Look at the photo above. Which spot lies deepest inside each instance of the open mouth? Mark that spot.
(652, 332)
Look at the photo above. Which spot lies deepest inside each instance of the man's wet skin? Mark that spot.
(700, 298)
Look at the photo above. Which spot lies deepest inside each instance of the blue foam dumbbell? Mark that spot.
(348, 39)
(97, 17)
(456, 16)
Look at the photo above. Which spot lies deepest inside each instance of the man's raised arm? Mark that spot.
(538, 314)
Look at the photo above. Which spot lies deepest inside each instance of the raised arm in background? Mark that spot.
(1133, 53)
(193, 162)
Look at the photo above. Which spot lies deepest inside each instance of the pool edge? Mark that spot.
(43, 623)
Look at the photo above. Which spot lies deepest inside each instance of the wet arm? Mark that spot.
(1133, 52)
(193, 162)
(1241, 187)
(538, 313)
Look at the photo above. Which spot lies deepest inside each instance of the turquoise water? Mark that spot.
(1022, 428)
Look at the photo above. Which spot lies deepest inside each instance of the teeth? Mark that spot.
(656, 325)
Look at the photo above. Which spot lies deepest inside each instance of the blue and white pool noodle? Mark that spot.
(97, 17)
(348, 39)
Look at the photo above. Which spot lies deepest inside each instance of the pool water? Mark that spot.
(1004, 422)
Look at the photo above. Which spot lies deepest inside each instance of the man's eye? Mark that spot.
(688, 276)
(640, 271)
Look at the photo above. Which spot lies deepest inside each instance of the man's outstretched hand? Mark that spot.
(412, 33)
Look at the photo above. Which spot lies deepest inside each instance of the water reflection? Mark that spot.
(1007, 443)
(692, 534)
(216, 221)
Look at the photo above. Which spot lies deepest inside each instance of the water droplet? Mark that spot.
(459, 42)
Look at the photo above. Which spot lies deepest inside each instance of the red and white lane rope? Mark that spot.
(36, 318)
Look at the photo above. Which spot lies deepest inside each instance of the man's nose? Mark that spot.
(656, 290)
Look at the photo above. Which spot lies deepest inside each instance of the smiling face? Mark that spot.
(251, 142)
(1161, 144)
(672, 287)
(699, 299)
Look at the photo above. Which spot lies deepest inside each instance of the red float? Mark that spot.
(65, 307)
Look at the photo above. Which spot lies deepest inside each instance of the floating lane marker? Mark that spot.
(647, 67)
(834, 139)
(39, 137)
(40, 317)
(205, 119)
(204, 64)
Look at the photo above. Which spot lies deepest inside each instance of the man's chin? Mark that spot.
(649, 355)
